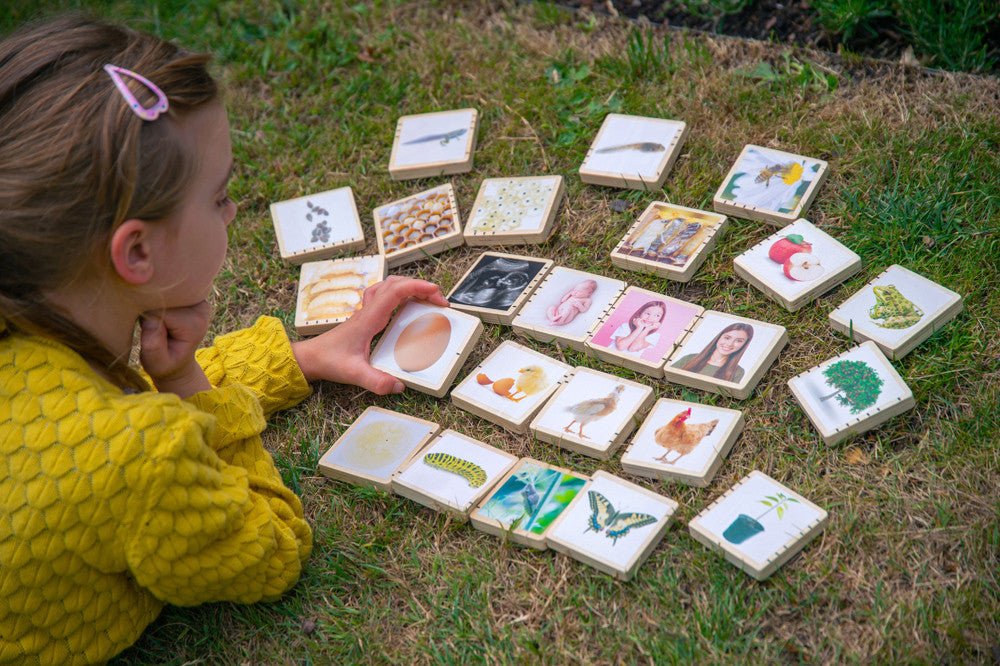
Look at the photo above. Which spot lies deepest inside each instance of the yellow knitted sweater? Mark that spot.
(112, 505)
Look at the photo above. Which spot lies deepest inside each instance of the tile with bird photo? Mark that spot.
(770, 185)
(641, 329)
(592, 413)
(514, 210)
(330, 291)
(433, 144)
(669, 241)
(612, 525)
(452, 473)
(633, 152)
(418, 226)
(758, 524)
(897, 310)
(797, 264)
(317, 226)
(426, 345)
(851, 393)
(375, 446)
(566, 305)
(510, 385)
(527, 501)
(725, 354)
(683, 441)
(497, 285)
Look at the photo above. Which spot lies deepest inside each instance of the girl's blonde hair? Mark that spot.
(76, 162)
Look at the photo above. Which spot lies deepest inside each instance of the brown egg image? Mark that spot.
(422, 342)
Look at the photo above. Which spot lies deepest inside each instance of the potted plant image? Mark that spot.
(744, 526)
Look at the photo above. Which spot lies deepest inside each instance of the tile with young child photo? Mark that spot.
(566, 305)
(592, 413)
(640, 330)
(496, 285)
(770, 185)
(329, 292)
(425, 346)
(668, 240)
(682, 441)
(375, 446)
(317, 226)
(725, 354)
(514, 210)
(897, 310)
(633, 152)
(433, 144)
(797, 264)
(758, 524)
(510, 385)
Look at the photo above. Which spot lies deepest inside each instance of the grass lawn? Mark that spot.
(907, 568)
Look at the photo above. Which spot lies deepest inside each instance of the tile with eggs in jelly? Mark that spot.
(426, 345)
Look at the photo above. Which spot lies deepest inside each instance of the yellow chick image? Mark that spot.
(530, 380)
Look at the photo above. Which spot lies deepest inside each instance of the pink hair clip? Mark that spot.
(150, 113)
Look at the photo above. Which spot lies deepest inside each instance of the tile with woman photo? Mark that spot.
(726, 354)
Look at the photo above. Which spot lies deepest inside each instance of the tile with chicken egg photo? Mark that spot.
(592, 413)
(425, 346)
(797, 264)
(509, 386)
(725, 354)
(683, 441)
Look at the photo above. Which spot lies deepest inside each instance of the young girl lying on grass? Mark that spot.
(117, 497)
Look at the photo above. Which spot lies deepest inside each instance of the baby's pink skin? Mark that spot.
(573, 302)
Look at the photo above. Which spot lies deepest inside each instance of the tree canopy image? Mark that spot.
(858, 385)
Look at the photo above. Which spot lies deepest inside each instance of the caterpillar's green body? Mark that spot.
(471, 472)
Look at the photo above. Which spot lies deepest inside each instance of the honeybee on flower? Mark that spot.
(770, 180)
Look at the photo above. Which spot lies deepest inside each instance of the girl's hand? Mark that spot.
(341, 354)
(168, 341)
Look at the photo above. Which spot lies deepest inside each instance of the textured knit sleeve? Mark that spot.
(260, 358)
(216, 524)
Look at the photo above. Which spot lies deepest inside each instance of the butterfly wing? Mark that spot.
(601, 511)
(624, 522)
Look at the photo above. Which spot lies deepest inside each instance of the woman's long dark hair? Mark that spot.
(728, 369)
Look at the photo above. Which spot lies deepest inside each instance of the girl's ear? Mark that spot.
(132, 252)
